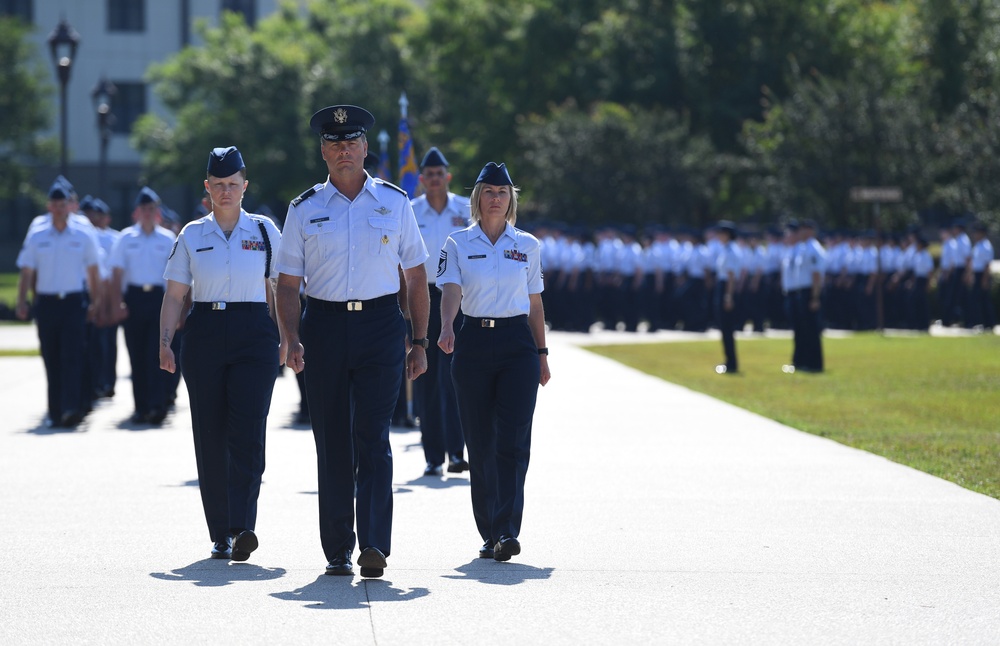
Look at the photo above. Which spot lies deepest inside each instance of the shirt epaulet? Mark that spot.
(392, 186)
(306, 195)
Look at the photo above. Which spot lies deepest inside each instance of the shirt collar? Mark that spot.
(476, 231)
(329, 190)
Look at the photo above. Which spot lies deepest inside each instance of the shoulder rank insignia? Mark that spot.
(305, 195)
(390, 185)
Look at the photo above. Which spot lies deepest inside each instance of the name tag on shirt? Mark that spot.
(203, 249)
(314, 221)
(479, 257)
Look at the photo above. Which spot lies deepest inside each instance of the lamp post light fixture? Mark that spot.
(103, 94)
(63, 42)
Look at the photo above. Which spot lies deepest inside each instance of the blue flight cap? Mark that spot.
(170, 215)
(726, 226)
(67, 185)
(495, 174)
(792, 225)
(58, 190)
(433, 157)
(341, 122)
(87, 203)
(99, 205)
(808, 224)
(223, 162)
(147, 196)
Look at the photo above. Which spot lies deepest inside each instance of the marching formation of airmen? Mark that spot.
(666, 278)
(364, 286)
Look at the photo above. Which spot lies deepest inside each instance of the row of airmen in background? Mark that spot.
(666, 277)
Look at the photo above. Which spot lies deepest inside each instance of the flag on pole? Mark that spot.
(384, 172)
(407, 160)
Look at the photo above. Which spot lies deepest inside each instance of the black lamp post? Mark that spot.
(102, 95)
(63, 42)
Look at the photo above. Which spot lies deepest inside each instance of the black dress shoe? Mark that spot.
(70, 419)
(505, 548)
(486, 551)
(340, 565)
(433, 470)
(156, 416)
(244, 543)
(457, 465)
(137, 418)
(223, 549)
(372, 562)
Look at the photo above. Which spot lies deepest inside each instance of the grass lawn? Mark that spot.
(8, 288)
(930, 403)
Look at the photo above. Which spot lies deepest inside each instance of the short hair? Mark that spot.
(476, 215)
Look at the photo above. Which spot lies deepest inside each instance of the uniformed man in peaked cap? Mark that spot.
(350, 235)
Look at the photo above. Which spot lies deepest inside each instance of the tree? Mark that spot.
(25, 106)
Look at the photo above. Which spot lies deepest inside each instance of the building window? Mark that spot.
(127, 15)
(246, 7)
(18, 9)
(128, 105)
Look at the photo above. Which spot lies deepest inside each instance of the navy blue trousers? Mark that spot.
(440, 428)
(727, 326)
(230, 362)
(496, 373)
(62, 340)
(354, 365)
(142, 329)
(808, 352)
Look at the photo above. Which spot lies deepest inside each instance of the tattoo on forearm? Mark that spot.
(165, 341)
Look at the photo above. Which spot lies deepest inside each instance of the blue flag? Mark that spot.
(408, 171)
(383, 166)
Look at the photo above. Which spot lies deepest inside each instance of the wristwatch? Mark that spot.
(423, 343)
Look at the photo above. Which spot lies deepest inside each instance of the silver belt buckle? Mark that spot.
(218, 305)
(354, 306)
(489, 323)
(147, 288)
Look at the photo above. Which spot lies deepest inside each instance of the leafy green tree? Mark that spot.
(616, 164)
(25, 106)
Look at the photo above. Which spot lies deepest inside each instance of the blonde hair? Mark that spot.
(476, 214)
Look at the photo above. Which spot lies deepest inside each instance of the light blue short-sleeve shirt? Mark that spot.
(142, 256)
(60, 259)
(218, 269)
(496, 280)
(350, 250)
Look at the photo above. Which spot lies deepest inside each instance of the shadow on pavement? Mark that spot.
(217, 572)
(495, 573)
(45, 429)
(344, 593)
(431, 482)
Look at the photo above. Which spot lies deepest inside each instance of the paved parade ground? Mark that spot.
(653, 515)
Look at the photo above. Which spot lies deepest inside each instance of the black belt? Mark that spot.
(353, 306)
(59, 297)
(219, 306)
(475, 321)
(145, 288)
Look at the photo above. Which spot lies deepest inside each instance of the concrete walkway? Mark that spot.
(653, 515)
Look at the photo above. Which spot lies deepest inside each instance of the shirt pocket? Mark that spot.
(320, 238)
(383, 233)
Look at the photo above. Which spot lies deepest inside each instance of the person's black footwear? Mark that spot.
(155, 416)
(70, 419)
(244, 543)
(505, 548)
(223, 549)
(372, 562)
(486, 551)
(137, 418)
(433, 470)
(456, 464)
(340, 565)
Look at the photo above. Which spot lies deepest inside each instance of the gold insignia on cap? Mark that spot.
(340, 115)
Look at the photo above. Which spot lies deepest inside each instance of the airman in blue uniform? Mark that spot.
(138, 259)
(58, 259)
(439, 212)
(492, 272)
(348, 236)
(230, 352)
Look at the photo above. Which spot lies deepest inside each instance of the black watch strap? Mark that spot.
(423, 343)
